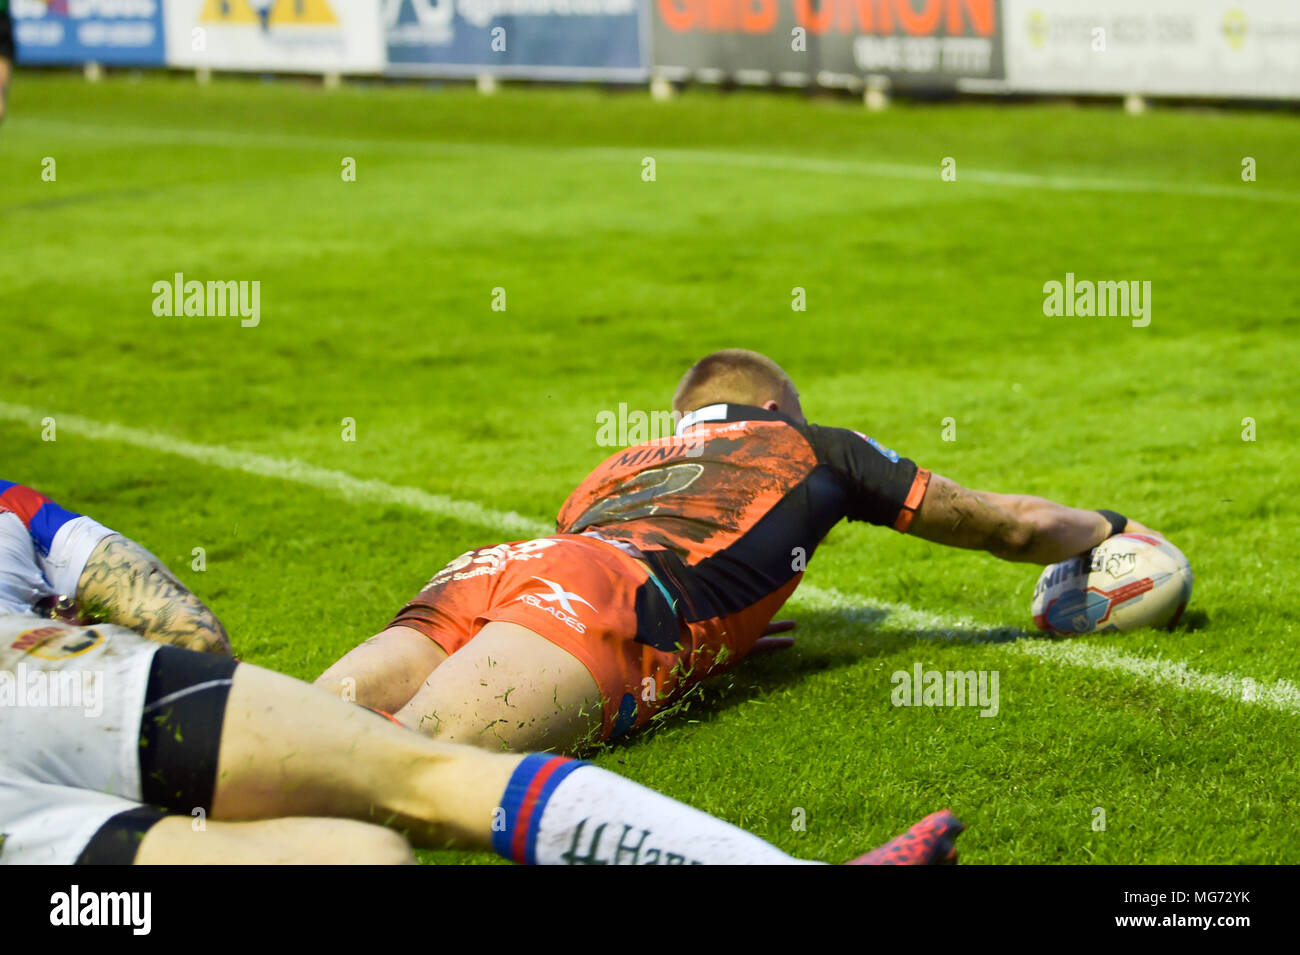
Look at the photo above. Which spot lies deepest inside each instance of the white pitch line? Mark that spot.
(1281, 696)
(286, 469)
(765, 161)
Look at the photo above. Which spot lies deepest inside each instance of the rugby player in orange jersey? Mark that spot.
(670, 560)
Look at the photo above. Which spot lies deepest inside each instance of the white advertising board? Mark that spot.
(1211, 48)
(283, 36)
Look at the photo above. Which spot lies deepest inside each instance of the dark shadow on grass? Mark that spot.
(821, 644)
(827, 640)
(81, 199)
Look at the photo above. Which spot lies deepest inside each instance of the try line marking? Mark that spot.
(776, 162)
(1281, 696)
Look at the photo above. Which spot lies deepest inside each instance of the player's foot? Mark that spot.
(929, 842)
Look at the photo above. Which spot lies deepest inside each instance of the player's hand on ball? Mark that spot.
(1133, 527)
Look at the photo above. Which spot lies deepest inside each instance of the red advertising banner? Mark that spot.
(915, 42)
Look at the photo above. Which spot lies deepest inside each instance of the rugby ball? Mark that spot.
(1126, 581)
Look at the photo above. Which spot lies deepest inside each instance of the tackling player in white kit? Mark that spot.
(57, 563)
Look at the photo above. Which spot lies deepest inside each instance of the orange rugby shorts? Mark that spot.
(584, 595)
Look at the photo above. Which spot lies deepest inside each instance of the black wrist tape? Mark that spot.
(1117, 521)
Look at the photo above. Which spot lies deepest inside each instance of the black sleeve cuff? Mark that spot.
(1117, 521)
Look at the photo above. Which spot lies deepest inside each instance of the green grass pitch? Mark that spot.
(924, 303)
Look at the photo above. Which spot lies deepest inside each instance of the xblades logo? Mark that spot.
(558, 603)
(561, 596)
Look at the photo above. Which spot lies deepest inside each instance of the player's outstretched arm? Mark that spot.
(1011, 526)
(125, 584)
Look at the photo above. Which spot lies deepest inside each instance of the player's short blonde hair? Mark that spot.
(731, 376)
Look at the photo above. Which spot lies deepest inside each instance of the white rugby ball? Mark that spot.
(1126, 581)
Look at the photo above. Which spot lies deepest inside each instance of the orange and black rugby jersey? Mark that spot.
(729, 510)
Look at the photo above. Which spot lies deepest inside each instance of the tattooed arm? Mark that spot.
(125, 584)
(1010, 526)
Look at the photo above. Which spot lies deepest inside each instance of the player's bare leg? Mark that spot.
(297, 841)
(386, 671)
(508, 688)
(288, 749)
